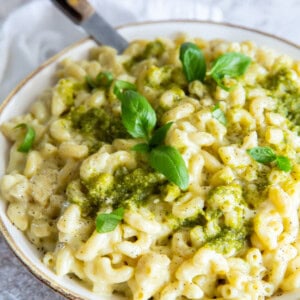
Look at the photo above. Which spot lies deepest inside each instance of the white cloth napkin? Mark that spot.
(37, 30)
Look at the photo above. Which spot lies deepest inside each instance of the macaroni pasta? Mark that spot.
(233, 234)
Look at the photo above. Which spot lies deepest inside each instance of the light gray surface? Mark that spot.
(16, 282)
(274, 16)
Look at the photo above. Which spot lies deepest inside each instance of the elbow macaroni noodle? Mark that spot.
(165, 249)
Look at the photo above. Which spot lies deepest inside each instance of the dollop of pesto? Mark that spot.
(228, 241)
(286, 91)
(222, 224)
(97, 124)
(229, 202)
(67, 89)
(227, 205)
(125, 188)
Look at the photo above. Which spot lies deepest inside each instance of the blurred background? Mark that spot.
(33, 30)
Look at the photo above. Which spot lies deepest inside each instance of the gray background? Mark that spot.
(274, 16)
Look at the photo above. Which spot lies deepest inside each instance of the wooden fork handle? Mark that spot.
(77, 10)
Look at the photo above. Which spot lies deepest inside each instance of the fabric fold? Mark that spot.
(37, 30)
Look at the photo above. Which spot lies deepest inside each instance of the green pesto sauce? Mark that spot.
(165, 78)
(98, 125)
(159, 77)
(76, 193)
(200, 219)
(256, 192)
(218, 195)
(125, 188)
(228, 240)
(67, 89)
(216, 205)
(153, 49)
(225, 238)
(253, 196)
(287, 94)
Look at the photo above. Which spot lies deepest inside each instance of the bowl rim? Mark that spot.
(7, 237)
(222, 24)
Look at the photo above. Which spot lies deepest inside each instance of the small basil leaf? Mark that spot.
(159, 135)
(108, 222)
(262, 155)
(90, 82)
(283, 163)
(138, 116)
(121, 86)
(104, 79)
(231, 65)
(168, 161)
(143, 148)
(28, 139)
(193, 62)
(218, 114)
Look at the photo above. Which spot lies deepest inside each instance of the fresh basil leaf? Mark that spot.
(168, 161)
(143, 148)
(193, 62)
(138, 116)
(266, 155)
(121, 86)
(159, 135)
(218, 114)
(283, 163)
(90, 82)
(104, 79)
(108, 222)
(231, 65)
(262, 155)
(28, 139)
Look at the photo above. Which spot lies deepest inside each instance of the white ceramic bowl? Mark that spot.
(28, 90)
